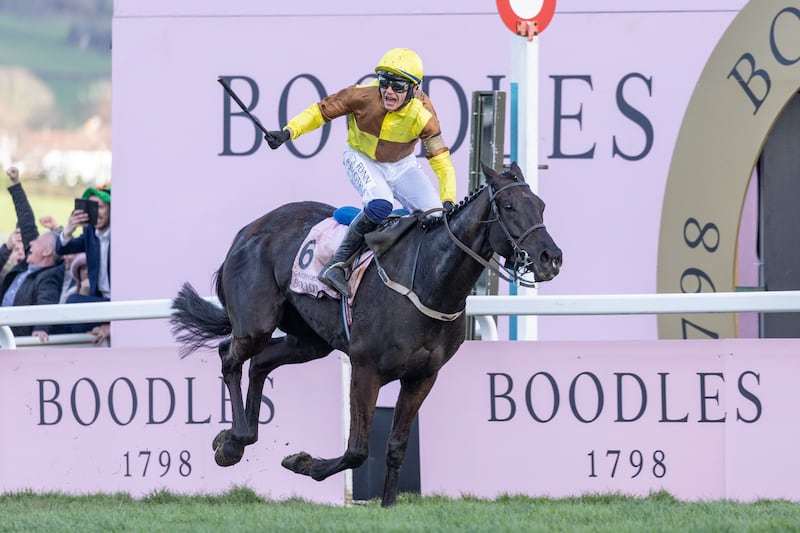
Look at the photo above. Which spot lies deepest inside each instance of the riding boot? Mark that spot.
(333, 275)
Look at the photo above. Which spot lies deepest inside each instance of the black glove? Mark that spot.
(277, 138)
(448, 206)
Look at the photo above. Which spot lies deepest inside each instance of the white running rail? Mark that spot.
(482, 307)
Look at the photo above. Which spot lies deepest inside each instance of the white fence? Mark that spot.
(481, 307)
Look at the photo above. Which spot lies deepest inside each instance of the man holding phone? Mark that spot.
(89, 207)
(95, 241)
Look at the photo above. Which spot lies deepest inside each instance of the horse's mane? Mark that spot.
(428, 224)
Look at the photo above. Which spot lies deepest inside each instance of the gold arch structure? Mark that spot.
(752, 74)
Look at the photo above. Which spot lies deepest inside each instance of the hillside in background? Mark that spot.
(55, 88)
(55, 63)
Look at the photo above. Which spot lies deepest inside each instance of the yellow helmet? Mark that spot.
(402, 62)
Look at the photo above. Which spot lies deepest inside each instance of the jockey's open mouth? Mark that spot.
(391, 101)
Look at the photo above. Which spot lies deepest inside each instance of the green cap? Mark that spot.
(103, 192)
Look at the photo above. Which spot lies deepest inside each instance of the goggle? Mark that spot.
(398, 86)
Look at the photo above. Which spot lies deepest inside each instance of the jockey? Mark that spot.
(386, 118)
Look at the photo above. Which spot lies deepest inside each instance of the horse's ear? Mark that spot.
(517, 171)
(487, 170)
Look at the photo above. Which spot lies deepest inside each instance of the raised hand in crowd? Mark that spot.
(50, 223)
(78, 218)
(13, 174)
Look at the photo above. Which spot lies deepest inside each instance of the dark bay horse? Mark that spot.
(391, 338)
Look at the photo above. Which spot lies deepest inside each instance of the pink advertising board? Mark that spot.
(702, 420)
(141, 420)
(614, 84)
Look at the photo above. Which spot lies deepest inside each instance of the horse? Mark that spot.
(405, 334)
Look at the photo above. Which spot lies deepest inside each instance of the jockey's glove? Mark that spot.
(277, 138)
(448, 206)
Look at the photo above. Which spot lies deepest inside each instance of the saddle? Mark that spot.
(321, 242)
(389, 232)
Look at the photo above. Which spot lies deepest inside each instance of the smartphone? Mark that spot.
(89, 207)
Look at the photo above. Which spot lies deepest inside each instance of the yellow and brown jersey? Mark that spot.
(385, 136)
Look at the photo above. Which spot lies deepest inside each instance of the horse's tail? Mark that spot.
(196, 322)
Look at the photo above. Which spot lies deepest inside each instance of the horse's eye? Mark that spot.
(507, 207)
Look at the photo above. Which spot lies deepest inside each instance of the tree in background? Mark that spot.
(55, 80)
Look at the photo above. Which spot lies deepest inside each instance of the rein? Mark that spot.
(520, 254)
(521, 258)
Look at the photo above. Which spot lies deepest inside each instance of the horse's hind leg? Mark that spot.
(364, 387)
(281, 351)
(412, 394)
(229, 444)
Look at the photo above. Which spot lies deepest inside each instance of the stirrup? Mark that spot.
(334, 277)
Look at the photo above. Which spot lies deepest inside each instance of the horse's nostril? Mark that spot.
(553, 259)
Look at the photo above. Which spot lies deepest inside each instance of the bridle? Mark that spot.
(522, 260)
(521, 263)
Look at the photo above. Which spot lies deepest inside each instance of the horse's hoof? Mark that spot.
(228, 454)
(299, 463)
(220, 439)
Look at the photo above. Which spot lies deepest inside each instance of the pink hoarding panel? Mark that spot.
(762, 455)
(141, 420)
(699, 419)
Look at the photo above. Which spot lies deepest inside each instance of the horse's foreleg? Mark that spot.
(412, 394)
(364, 387)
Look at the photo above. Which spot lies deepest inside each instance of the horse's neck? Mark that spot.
(452, 273)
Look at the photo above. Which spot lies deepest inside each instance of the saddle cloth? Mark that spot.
(315, 251)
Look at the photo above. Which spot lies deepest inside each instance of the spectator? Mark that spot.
(26, 223)
(79, 284)
(79, 274)
(50, 223)
(95, 242)
(37, 279)
(11, 252)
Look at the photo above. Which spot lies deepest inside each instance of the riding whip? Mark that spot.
(241, 105)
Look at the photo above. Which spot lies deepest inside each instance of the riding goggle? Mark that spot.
(398, 86)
